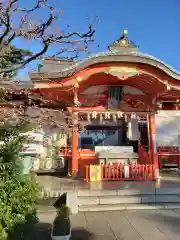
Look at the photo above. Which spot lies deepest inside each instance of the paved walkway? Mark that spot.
(50, 183)
(122, 225)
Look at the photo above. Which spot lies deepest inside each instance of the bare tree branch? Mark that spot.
(39, 4)
(42, 32)
(5, 19)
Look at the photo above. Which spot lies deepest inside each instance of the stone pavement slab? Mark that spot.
(166, 221)
(123, 225)
(97, 224)
(56, 184)
(146, 229)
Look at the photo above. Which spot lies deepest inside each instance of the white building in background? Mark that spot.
(168, 128)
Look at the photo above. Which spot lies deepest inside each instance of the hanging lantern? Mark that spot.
(120, 114)
(94, 115)
(159, 105)
(125, 117)
(89, 118)
(133, 116)
(177, 104)
(114, 118)
(107, 115)
(101, 119)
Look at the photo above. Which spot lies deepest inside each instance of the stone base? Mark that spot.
(157, 174)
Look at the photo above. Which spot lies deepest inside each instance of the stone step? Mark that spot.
(167, 198)
(101, 200)
(116, 207)
(122, 192)
(43, 208)
(128, 192)
(108, 200)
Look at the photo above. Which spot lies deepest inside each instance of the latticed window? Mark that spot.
(115, 96)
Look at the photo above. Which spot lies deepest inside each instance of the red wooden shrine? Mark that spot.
(120, 86)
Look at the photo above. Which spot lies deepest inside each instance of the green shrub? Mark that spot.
(19, 194)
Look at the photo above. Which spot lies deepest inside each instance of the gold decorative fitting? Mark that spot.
(79, 79)
(125, 32)
(107, 115)
(76, 85)
(168, 87)
(94, 114)
(123, 42)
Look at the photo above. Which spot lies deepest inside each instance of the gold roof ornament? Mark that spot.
(125, 32)
(123, 43)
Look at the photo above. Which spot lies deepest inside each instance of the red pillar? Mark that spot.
(152, 143)
(75, 145)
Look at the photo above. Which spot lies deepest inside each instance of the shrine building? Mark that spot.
(127, 101)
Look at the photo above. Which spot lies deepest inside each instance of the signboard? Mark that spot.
(33, 149)
(115, 149)
(36, 136)
(95, 173)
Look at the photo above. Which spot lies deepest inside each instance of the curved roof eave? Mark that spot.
(135, 57)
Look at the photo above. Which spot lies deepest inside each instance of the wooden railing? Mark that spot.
(143, 155)
(121, 172)
(168, 156)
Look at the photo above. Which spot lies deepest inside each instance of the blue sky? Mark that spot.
(154, 25)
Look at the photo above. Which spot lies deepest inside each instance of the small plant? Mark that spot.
(63, 212)
(61, 225)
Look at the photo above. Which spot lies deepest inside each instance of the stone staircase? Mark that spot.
(112, 200)
(109, 196)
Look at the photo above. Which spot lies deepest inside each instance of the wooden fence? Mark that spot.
(121, 172)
